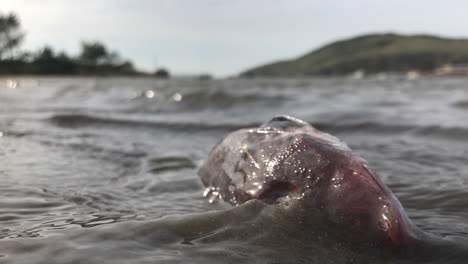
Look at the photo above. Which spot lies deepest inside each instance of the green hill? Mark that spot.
(372, 54)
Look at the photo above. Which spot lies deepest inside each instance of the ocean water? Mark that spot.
(103, 170)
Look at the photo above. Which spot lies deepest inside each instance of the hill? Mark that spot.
(373, 54)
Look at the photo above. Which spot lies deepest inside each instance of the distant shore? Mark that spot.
(374, 54)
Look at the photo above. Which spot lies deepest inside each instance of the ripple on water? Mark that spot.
(22, 208)
(160, 164)
(79, 183)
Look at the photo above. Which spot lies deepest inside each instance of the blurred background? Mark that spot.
(215, 37)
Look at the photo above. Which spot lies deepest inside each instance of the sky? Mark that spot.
(224, 37)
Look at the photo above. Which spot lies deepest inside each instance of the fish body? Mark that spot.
(287, 158)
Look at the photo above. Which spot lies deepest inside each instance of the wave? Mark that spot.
(247, 233)
(201, 100)
(212, 97)
(20, 204)
(82, 120)
(379, 128)
(161, 164)
(222, 98)
(463, 104)
(365, 127)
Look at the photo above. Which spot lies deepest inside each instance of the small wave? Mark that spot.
(182, 101)
(104, 200)
(97, 220)
(222, 99)
(79, 120)
(169, 163)
(446, 201)
(455, 133)
(175, 186)
(460, 104)
(82, 120)
(210, 98)
(18, 205)
(366, 126)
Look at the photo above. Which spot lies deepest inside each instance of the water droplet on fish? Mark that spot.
(336, 181)
(207, 191)
(385, 223)
(214, 196)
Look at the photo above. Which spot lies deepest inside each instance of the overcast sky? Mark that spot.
(224, 37)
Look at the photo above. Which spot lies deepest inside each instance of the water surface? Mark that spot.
(103, 170)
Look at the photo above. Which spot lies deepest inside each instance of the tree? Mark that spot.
(162, 73)
(46, 54)
(47, 61)
(127, 66)
(10, 34)
(93, 53)
(114, 58)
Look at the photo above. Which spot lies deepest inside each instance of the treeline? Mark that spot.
(93, 59)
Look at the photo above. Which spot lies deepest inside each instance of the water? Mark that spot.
(103, 170)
